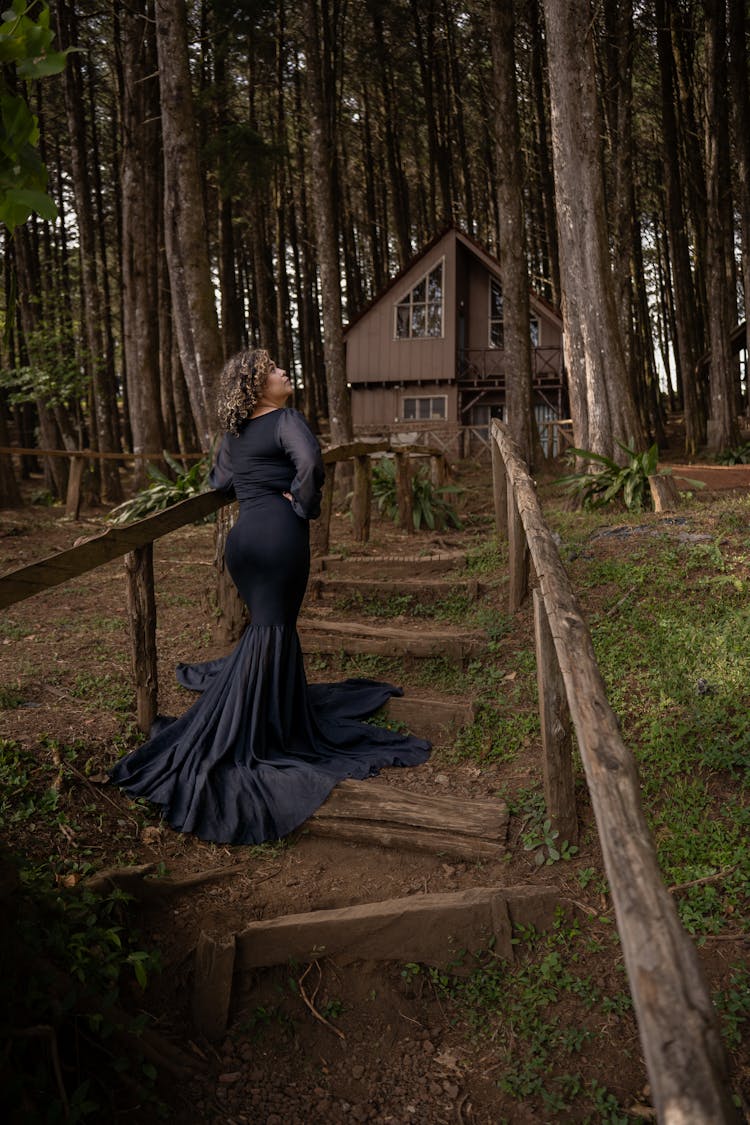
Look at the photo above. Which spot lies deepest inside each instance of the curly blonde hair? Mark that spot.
(242, 381)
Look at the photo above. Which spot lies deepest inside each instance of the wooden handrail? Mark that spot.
(679, 1031)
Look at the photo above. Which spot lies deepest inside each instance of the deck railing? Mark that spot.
(678, 1027)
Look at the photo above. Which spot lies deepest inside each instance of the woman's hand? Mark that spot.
(288, 496)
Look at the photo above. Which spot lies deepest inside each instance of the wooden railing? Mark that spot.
(678, 1027)
(135, 541)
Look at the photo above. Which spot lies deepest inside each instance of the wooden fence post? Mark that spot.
(362, 499)
(73, 498)
(320, 529)
(438, 469)
(232, 614)
(557, 743)
(499, 489)
(404, 494)
(518, 556)
(139, 566)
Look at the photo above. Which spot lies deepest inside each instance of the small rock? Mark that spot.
(357, 1071)
(233, 1076)
(451, 1090)
(442, 779)
(428, 1047)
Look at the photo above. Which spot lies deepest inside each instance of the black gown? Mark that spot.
(260, 750)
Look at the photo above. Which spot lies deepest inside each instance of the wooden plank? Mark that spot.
(430, 929)
(139, 566)
(111, 544)
(557, 743)
(499, 492)
(314, 641)
(431, 718)
(679, 1030)
(387, 805)
(408, 565)
(664, 493)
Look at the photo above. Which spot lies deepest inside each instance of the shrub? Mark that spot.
(611, 482)
(430, 507)
(163, 492)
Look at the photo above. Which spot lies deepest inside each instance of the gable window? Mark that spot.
(423, 408)
(497, 337)
(419, 313)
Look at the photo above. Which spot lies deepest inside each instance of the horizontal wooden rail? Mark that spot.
(110, 544)
(96, 455)
(677, 1022)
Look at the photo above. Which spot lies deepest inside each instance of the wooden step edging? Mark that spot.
(366, 812)
(422, 589)
(432, 929)
(431, 718)
(322, 635)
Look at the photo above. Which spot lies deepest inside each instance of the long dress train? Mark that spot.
(260, 749)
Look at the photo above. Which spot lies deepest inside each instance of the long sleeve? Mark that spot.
(221, 476)
(301, 446)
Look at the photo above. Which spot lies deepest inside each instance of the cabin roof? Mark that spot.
(491, 263)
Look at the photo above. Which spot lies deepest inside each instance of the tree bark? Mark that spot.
(322, 152)
(194, 308)
(513, 268)
(722, 428)
(140, 232)
(601, 399)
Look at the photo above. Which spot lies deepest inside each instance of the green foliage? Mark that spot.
(611, 482)
(164, 491)
(57, 376)
(430, 507)
(26, 44)
(67, 958)
(739, 455)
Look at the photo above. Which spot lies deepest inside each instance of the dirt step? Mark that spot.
(430, 929)
(352, 638)
(424, 590)
(440, 562)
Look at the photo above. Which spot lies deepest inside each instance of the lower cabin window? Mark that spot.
(424, 407)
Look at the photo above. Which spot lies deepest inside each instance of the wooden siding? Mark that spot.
(373, 406)
(372, 352)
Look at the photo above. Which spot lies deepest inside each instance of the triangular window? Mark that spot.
(419, 314)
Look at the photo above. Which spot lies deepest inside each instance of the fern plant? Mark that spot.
(611, 482)
(430, 506)
(164, 491)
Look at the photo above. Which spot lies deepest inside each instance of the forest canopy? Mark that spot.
(230, 174)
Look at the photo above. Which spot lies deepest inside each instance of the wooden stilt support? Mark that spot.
(139, 566)
(557, 743)
(212, 985)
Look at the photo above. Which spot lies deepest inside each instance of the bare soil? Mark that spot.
(398, 1054)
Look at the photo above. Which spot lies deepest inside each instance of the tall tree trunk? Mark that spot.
(596, 367)
(105, 404)
(193, 304)
(741, 106)
(140, 230)
(722, 426)
(513, 269)
(685, 313)
(322, 152)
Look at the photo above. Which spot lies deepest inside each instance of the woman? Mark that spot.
(261, 749)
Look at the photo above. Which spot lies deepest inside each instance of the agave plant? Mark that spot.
(430, 508)
(610, 482)
(164, 491)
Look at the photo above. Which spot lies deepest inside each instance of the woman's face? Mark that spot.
(277, 387)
